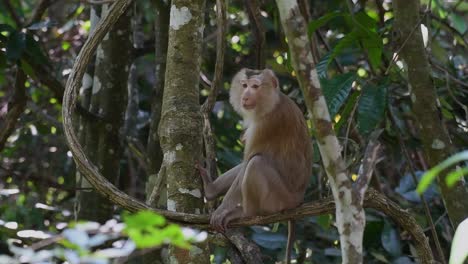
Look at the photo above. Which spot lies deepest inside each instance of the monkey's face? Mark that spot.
(254, 92)
(250, 93)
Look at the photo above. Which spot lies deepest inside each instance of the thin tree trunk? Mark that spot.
(350, 217)
(153, 148)
(108, 103)
(434, 136)
(180, 128)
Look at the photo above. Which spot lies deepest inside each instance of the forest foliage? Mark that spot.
(364, 81)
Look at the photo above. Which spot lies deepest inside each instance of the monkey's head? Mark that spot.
(254, 92)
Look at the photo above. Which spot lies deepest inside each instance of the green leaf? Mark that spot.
(143, 219)
(348, 41)
(431, 174)
(6, 28)
(322, 66)
(371, 108)
(27, 68)
(458, 23)
(347, 109)
(314, 25)
(367, 22)
(336, 91)
(374, 46)
(324, 221)
(15, 45)
(455, 176)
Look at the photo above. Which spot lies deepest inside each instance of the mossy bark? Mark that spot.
(180, 127)
(434, 136)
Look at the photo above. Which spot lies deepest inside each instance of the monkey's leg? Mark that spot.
(230, 208)
(221, 185)
(263, 190)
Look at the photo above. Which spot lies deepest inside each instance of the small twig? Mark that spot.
(348, 128)
(207, 107)
(99, 2)
(255, 17)
(454, 98)
(441, 68)
(368, 162)
(415, 179)
(15, 107)
(39, 11)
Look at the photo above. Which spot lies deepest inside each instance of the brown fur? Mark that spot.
(277, 160)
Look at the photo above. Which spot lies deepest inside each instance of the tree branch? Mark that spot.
(255, 17)
(38, 11)
(15, 107)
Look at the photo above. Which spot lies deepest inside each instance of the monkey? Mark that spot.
(277, 159)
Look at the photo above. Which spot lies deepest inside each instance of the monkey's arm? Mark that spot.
(220, 186)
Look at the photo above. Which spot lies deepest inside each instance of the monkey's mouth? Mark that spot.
(248, 107)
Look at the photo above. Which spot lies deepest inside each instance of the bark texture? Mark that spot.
(180, 127)
(350, 216)
(15, 108)
(156, 181)
(434, 136)
(108, 104)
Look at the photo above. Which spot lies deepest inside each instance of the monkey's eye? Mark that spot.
(255, 86)
(244, 85)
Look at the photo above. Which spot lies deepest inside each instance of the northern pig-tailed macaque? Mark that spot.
(277, 159)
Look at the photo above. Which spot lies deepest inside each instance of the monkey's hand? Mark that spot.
(222, 216)
(219, 219)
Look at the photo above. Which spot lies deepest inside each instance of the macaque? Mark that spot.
(277, 162)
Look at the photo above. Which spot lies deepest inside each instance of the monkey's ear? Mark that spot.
(270, 75)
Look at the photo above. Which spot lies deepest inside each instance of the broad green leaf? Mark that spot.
(347, 109)
(431, 174)
(15, 45)
(348, 41)
(365, 21)
(322, 66)
(324, 221)
(368, 37)
(371, 108)
(314, 25)
(336, 91)
(458, 23)
(372, 43)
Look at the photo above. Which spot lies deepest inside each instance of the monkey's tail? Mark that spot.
(291, 230)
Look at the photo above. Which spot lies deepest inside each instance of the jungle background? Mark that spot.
(49, 211)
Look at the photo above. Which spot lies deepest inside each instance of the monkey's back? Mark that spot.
(282, 137)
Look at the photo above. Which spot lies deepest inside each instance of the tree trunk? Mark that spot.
(180, 127)
(434, 136)
(350, 217)
(153, 149)
(108, 104)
